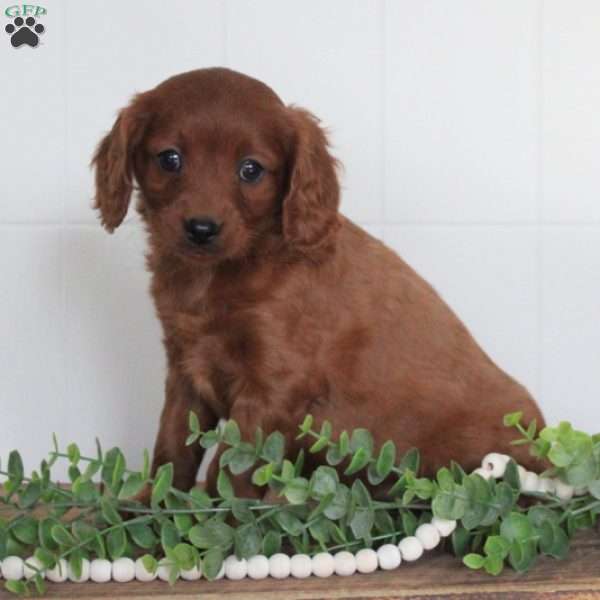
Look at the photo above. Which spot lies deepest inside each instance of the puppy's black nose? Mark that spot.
(201, 230)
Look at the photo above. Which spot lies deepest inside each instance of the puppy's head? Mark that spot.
(221, 164)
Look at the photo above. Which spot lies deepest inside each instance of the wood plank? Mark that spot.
(436, 576)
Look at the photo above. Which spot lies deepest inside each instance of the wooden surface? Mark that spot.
(436, 575)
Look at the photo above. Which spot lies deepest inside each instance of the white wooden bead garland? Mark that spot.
(280, 566)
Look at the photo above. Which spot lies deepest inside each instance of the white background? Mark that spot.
(470, 133)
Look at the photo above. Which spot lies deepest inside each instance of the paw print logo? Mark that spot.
(24, 32)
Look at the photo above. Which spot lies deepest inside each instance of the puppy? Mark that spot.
(273, 304)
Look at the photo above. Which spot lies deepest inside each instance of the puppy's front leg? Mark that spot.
(249, 413)
(181, 398)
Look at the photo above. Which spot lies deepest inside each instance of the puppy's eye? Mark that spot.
(250, 171)
(170, 160)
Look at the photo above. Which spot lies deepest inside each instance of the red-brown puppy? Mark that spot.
(273, 304)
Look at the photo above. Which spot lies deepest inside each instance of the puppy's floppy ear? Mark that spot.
(310, 209)
(113, 162)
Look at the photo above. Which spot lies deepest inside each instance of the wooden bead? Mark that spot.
(192, 574)
(323, 564)
(279, 566)
(59, 573)
(164, 569)
(301, 566)
(444, 526)
(345, 563)
(100, 570)
(142, 574)
(258, 567)
(495, 463)
(389, 557)
(12, 567)
(29, 571)
(564, 491)
(428, 535)
(545, 485)
(235, 568)
(529, 482)
(123, 570)
(366, 560)
(410, 548)
(483, 473)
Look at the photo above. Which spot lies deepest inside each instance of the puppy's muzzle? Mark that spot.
(201, 230)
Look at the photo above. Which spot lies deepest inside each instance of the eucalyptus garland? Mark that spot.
(56, 527)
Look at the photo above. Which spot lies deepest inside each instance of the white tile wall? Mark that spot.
(470, 136)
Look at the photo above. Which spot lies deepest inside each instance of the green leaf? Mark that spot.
(410, 461)
(26, 530)
(224, 487)
(15, 468)
(386, 459)
(511, 475)
(142, 535)
(45, 533)
(512, 419)
(185, 556)
(212, 562)
(271, 543)
(582, 472)
(231, 433)
(274, 447)
(362, 523)
(473, 561)
(46, 558)
(522, 555)
(113, 467)
(169, 535)
(338, 507)
(73, 453)
(516, 527)
(360, 494)
(362, 438)
(209, 439)
(324, 438)
(163, 480)
(460, 541)
(247, 541)
(211, 533)
(262, 475)
(289, 522)
(241, 510)
(16, 587)
(296, 490)
(132, 486)
(193, 422)
(360, 459)
(409, 522)
(497, 545)
(306, 425)
(116, 541)
(150, 563)
(445, 479)
(594, 488)
(323, 482)
(31, 494)
(109, 512)
(242, 458)
(146, 466)
(493, 565)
